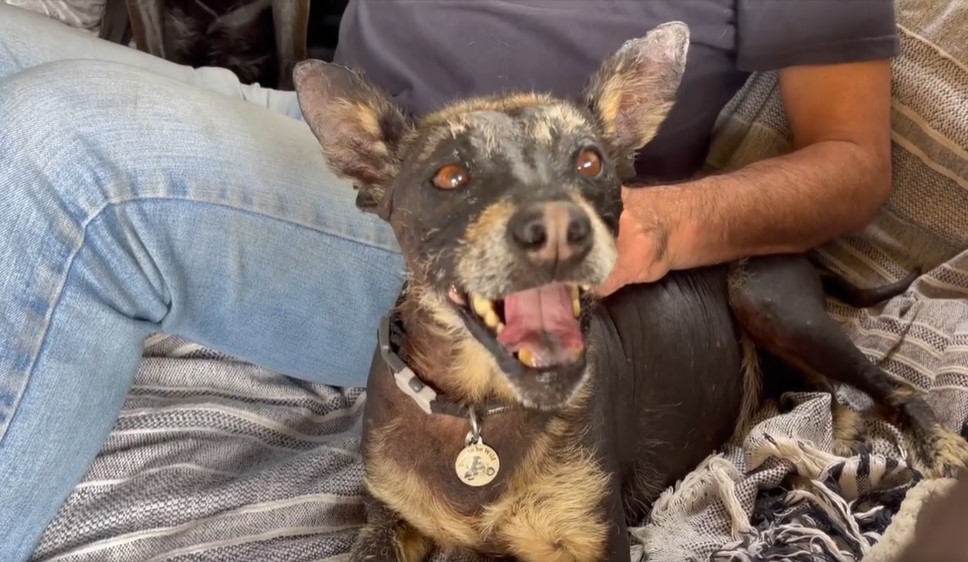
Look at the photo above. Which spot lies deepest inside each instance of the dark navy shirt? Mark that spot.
(428, 52)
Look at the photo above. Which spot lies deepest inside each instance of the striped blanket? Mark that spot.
(215, 459)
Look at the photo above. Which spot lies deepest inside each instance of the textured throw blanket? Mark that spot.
(214, 459)
(737, 506)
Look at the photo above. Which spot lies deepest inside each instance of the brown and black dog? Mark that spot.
(511, 412)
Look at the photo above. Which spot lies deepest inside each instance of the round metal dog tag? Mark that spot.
(477, 464)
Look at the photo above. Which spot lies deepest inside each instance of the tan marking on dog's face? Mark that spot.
(468, 370)
(483, 255)
(493, 219)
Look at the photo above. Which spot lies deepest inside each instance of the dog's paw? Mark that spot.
(848, 427)
(375, 544)
(380, 554)
(390, 543)
(942, 454)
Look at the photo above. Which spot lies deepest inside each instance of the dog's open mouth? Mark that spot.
(539, 327)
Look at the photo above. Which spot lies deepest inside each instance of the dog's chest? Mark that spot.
(546, 503)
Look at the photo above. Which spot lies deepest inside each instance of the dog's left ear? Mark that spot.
(358, 126)
(634, 89)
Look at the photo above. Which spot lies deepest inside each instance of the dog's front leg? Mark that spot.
(780, 303)
(388, 538)
(617, 547)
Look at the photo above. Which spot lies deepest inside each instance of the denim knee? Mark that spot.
(223, 208)
(53, 116)
(54, 183)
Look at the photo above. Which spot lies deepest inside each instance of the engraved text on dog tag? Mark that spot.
(477, 464)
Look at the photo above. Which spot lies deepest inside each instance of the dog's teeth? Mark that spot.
(525, 356)
(575, 300)
(500, 328)
(481, 306)
(586, 287)
(491, 319)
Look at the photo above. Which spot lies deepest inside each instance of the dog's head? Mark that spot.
(506, 208)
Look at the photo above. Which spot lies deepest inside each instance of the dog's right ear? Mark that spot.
(634, 89)
(357, 125)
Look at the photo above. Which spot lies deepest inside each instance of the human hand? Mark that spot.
(643, 240)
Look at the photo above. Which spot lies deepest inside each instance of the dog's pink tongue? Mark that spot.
(540, 324)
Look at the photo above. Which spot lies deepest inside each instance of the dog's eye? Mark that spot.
(589, 163)
(451, 176)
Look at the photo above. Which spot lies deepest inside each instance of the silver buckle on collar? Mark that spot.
(413, 387)
(407, 381)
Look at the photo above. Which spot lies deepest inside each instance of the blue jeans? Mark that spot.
(139, 196)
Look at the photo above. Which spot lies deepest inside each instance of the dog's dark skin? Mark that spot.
(503, 207)
(290, 23)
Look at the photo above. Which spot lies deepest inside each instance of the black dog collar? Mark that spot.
(426, 397)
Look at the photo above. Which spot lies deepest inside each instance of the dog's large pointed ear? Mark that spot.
(358, 126)
(634, 89)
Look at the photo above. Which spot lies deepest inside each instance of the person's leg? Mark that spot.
(123, 213)
(28, 39)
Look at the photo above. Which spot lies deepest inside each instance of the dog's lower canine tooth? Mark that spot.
(491, 319)
(525, 356)
(481, 306)
(500, 328)
(576, 307)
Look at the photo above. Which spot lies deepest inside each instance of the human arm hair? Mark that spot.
(833, 181)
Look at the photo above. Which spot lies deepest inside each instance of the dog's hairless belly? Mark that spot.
(671, 354)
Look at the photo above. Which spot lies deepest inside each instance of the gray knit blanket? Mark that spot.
(215, 459)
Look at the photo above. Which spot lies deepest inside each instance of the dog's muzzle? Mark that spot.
(555, 235)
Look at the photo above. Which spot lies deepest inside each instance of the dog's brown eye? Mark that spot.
(589, 163)
(451, 176)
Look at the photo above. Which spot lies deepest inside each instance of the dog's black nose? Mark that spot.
(552, 233)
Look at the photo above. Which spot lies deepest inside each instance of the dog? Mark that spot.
(509, 410)
(227, 33)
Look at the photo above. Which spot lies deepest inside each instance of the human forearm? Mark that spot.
(833, 183)
(790, 203)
